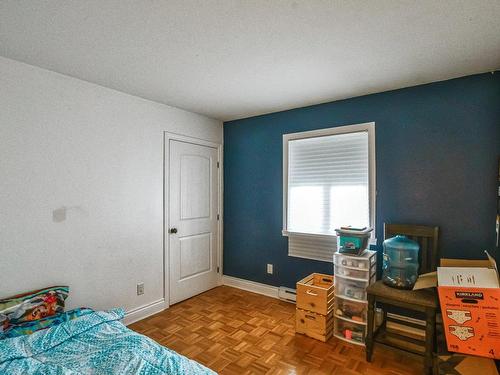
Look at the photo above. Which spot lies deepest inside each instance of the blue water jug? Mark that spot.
(400, 267)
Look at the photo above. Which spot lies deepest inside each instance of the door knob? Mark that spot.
(173, 230)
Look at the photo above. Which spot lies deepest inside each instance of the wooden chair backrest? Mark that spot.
(426, 236)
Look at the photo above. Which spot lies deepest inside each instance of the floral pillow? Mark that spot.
(32, 306)
(27, 328)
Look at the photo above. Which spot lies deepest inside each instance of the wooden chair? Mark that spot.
(424, 301)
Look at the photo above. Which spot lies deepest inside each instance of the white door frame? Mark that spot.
(168, 136)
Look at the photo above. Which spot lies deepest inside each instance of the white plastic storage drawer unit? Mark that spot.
(353, 289)
(351, 310)
(350, 331)
(352, 275)
(365, 262)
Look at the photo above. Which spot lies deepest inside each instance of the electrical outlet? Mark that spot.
(270, 269)
(140, 289)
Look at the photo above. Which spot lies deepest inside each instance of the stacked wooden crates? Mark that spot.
(315, 304)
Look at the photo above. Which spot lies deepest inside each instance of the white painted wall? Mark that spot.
(99, 153)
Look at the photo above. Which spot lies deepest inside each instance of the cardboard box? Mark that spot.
(469, 296)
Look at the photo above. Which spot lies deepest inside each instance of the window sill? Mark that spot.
(285, 233)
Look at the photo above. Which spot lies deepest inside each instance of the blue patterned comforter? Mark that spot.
(95, 343)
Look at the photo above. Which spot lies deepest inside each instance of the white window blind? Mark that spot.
(312, 247)
(327, 186)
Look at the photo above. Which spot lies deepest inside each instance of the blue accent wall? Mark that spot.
(437, 149)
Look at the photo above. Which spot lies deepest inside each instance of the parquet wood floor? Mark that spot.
(236, 332)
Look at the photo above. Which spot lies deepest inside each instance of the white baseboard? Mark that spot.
(142, 312)
(251, 286)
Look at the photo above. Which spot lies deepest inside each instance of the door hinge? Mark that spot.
(217, 269)
(218, 217)
(218, 164)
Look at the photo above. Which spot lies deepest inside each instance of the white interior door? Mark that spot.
(193, 219)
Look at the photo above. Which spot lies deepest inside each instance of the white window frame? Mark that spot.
(368, 127)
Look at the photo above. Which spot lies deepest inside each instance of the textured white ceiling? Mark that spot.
(236, 58)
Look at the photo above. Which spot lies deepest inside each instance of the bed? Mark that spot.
(90, 342)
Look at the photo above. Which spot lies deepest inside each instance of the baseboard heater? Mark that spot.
(287, 294)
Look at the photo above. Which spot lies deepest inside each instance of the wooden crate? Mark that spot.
(317, 326)
(315, 293)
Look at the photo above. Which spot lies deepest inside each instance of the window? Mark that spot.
(328, 182)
